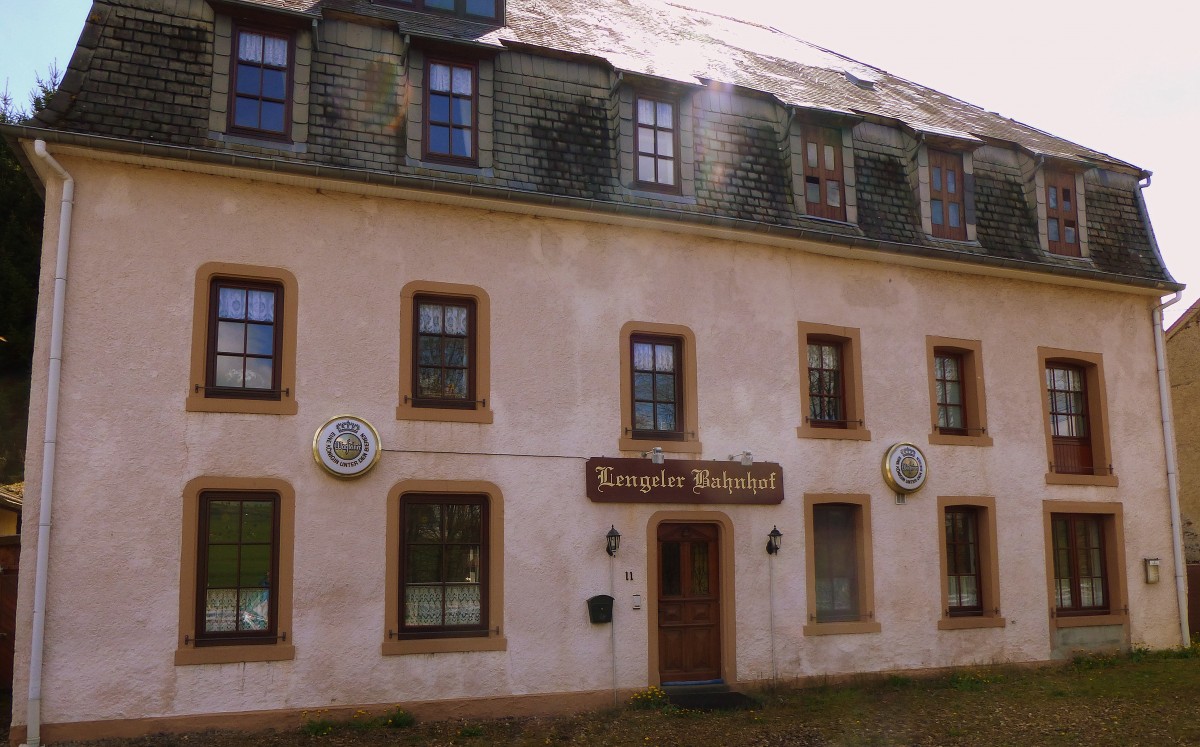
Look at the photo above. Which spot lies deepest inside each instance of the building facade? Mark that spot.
(377, 317)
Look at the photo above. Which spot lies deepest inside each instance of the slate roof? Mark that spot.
(145, 75)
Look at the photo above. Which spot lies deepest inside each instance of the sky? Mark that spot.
(1120, 78)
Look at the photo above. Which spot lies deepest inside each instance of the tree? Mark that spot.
(20, 253)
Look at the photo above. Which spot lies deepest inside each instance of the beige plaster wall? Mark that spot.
(560, 292)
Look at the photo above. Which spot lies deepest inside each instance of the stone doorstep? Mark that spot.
(708, 697)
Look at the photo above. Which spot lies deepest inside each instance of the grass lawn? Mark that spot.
(1144, 698)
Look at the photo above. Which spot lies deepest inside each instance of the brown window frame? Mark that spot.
(974, 401)
(941, 165)
(686, 390)
(852, 424)
(1072, 573)
(191, 604)
(1067, 398)
(213, 354)
(489, 636)
(962, 545)
(1061, 189)
(1095, 409)
(235, 73)
(459, 10)
(679, 432)
(676, 175)
(205, 637)
(943, 385)
(468, 401)
(821, 141)
(444, 631)
(1115, 610)
(816, 397)
(861, 619)
(986, 614)
(428, 154)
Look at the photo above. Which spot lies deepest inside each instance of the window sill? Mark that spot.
(1107, 481)
(200, 403)
(233, 654)
(444, 645)
(943, 439)
(444, 414)
(1085, 621)
(971, 622)
(846, 434)
(640, 445)
(842, 628)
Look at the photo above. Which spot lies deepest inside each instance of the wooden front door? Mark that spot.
(689, 603)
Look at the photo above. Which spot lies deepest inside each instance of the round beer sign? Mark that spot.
(904, 468)
(346, 446)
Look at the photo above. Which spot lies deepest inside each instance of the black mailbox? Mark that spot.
(600, 608)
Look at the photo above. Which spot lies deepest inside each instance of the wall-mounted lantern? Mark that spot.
(774, 540)
(612, 541)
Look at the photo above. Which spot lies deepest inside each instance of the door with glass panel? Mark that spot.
(689, 603)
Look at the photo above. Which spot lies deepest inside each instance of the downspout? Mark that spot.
(33, 737)
(1164, 401)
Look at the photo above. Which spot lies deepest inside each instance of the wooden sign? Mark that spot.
(682, 481)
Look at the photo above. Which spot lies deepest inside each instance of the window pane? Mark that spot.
(664, 358)
(224, 521)
(462, 112)
(249, 80)
(1052, 229)
(260, 305)
(664, 387)
(812, 156)
(424, 564)
(222, 566)
(260, 339)
(220, 610)
(228, 371)
(812, 190)
(666, 117)
(245, 113)
(439, 139)
(456, 351)
(258, 373)
(1069, 234)
(250, 46)
(834, 191)
(462, 143)
(231, 337)
(462, 605)
(254, 609)
(936, 173)
(645, 112)
(646, 168)
(935, 207)
(954, 219)
(482, 8)
(256, 566)
(666, 171)
(274, 84)
(671, 576)
(643, 386)
(231, 303)
(666, 143)
(429, 350)
(258, 521)
(272, 117)
(429, 318)
(423, 604)
(457, 320)
(643, 416)
(463, 522)
(1052, 197)
(700, 573)
(830, 161)
(1066, 200)
(462, 563)
(439, 108)
(275, 51)
(951, 186)
(423, 522)
(643, 356)
(456, 384)
(439, 75)
(462, 81)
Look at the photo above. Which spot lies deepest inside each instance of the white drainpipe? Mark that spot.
(34, 717)
(1164, 401)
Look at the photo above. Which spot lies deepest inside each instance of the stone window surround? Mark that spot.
(687, 376)
(866, 578)
(280, 650)
(1097, 408)
(852, 382)
(219, 116)
(973, 391)
(1114, 559)
(989, 567)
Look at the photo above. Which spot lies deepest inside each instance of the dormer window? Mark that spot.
(823, 175)
(261, 85)
(450, 106)
(657, 144)
(1062, 222)
(946, 204)
(478, 9)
